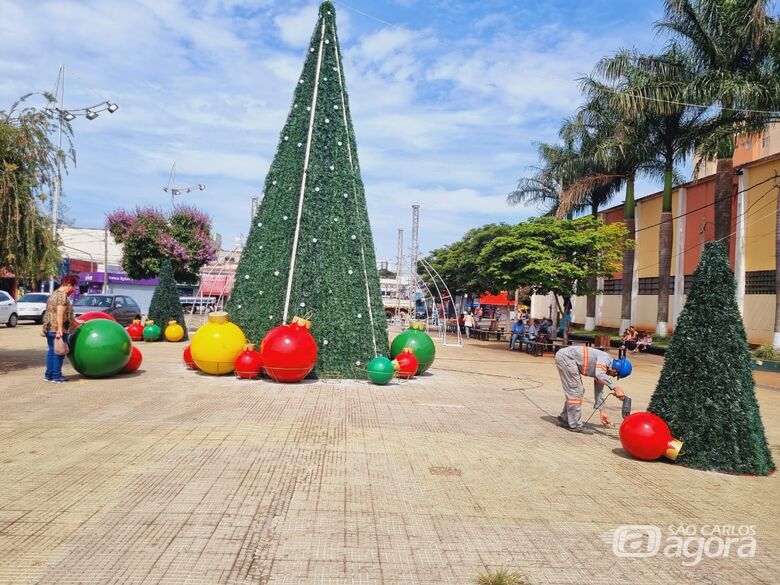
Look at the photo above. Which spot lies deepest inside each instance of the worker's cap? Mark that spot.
(623, 367)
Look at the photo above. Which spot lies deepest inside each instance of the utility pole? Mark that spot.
(398, 266)
(415, 253)
(105, 260)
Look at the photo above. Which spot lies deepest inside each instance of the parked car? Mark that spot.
(8, 314)
(122, 308)
(32, 306)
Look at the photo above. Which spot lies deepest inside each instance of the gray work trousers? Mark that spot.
(571, 381)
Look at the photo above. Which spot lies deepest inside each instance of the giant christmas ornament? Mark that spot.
(187, 358)
(152, 331)
(407, 363)
(174, 331)
(216, 345)
(249, 364)
(135, 330)
(99, 348)
(289, 351)
(419, 342)
(646, 436)
(84, 317)
(134, 362)
(381, 370)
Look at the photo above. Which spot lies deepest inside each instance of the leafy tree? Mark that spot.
(706, 392)
(459, 264)
(165, 305)
(148, 235)
(385, 273)
(558, 256)
(28, 171)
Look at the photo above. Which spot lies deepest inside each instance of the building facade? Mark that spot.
(751, 249)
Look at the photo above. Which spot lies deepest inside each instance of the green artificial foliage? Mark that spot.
(165, 305)
(706, 391)
(313, 218)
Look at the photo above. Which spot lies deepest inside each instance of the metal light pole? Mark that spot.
(90, 113)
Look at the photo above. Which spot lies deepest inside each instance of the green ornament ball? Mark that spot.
(380, 370)
(152, 331)
(99, 348)
(421, 345)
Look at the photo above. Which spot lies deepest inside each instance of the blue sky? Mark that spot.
(446, 108)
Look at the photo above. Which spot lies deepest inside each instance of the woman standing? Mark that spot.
(57, 322)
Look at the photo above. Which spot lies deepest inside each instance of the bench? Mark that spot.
(486, 334)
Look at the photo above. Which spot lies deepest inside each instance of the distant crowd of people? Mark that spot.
(636, 341)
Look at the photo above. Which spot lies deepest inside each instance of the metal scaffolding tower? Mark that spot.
(415, 255)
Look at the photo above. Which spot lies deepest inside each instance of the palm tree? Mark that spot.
(544, 186)
(728, 46)
(673, 131)
(621, 147)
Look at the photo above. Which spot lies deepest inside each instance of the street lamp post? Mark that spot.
(68, 115)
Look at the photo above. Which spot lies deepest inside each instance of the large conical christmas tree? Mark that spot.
(706, 391)
(309, 251)
(165, 305)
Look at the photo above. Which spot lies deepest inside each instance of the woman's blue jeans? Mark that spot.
(54, 361)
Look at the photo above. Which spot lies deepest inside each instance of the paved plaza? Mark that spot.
(168, 476)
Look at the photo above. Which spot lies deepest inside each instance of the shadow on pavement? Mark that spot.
(20, 359)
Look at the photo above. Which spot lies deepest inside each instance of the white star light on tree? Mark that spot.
(303, 304)
(246, 276)
(353, 236)
(314, 240)
(239, 306)
(276, 273)
(284, 218)
(332, 168)
(273, 182)
(349, 271)
(325, 342)
(360, 315)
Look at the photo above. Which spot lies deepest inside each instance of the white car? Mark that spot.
(8, 313)
(32, 306)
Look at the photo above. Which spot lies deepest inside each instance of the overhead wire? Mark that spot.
(714, 201)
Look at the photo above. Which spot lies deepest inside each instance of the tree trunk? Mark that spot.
(664, 256)
(590, 314)
(628, 258)
(724, 196)
(776, 338)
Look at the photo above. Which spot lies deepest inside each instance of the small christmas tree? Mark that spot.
(706, 391)
(309, 251)
(165, 304)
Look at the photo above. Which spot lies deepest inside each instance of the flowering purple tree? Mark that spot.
(148, 236)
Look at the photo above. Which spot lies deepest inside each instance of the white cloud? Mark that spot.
(447, 123)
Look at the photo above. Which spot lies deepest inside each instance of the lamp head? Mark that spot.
(91, 114)
(112, 107)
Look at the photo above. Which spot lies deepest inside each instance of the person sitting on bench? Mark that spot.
(518, 332)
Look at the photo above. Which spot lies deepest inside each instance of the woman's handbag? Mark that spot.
(60, 347)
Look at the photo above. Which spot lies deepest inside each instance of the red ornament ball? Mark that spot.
(647, 437)
(136, 357)
(289, 352)
(135, 330)
(249, 363)
(407, 363)
(187, 358)
(90, 316)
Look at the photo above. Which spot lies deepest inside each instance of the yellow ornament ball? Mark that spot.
(216, 345)
(174, 331)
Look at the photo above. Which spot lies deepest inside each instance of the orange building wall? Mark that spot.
(700, 223)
